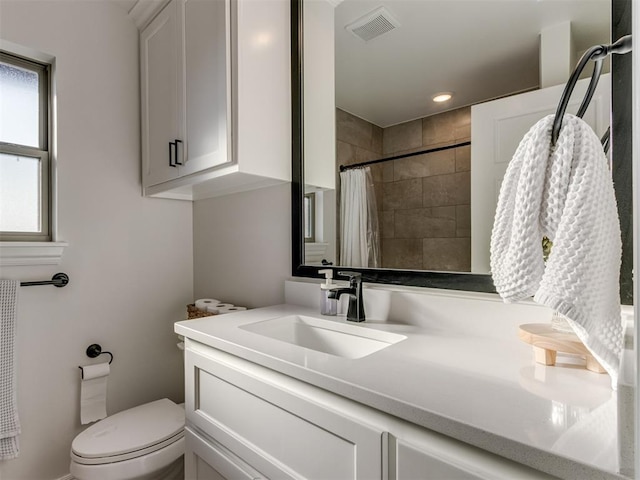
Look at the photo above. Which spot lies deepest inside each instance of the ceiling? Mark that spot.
(478, 49)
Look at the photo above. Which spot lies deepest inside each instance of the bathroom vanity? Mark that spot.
(432, 392)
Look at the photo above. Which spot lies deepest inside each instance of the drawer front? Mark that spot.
(430, 456)
(207, 460)
(276, 430)
(413, 463)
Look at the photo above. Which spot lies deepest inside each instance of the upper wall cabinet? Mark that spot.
(215, 98)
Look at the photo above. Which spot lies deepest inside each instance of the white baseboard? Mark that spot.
(67, 477)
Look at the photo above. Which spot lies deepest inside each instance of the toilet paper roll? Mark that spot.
(93, 392)
(220, 305)
(222, 311)
(203, 303)
(213, 309)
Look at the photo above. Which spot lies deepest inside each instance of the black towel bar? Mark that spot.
(58, 280)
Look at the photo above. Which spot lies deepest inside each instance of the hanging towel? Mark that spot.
(9, 423)
(566, 194)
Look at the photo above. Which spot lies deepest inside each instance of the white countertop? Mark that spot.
(470, 383)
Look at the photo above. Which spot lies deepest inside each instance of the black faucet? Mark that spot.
(355, 313)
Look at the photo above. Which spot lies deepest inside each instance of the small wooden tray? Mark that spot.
(548, 342)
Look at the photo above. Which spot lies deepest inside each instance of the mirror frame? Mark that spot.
(621, 141)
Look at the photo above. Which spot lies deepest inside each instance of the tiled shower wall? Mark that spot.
(423, 201)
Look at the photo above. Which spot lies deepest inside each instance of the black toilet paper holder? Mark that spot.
(95, 350)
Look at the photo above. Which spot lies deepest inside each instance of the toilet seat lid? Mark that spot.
(134, 429)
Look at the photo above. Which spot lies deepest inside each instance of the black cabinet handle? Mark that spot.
(172, 153)
(176, 144)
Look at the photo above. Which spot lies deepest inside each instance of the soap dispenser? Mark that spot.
(328, 306)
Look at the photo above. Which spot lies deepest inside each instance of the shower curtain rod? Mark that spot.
(404, 155)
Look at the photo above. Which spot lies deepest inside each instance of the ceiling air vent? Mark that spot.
(373, 24)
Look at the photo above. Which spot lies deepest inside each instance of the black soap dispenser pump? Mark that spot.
(328, 306)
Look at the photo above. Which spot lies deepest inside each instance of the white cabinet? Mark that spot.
(248, 421)
(215, 98)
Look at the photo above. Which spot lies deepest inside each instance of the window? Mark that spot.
(25, 202)
(309, 217)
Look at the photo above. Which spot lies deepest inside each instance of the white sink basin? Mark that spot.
(342, 340)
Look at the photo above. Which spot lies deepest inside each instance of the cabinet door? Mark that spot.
(207, 78)
(207, 460)
(161, 85)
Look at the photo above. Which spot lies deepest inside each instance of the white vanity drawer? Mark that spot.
(282, 429)
(426, 455)
(207, 460)
(412, 463)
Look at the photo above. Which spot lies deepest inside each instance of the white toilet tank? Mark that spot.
(142, 443)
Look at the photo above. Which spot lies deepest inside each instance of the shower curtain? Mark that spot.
(359, 233)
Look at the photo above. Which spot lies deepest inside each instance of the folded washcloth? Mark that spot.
(566, 194)
(9, 423)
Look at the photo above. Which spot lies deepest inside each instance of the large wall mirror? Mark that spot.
(366, 126)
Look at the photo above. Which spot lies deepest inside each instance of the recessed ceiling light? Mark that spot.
(442, 97)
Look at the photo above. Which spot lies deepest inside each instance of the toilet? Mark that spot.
(142, 443)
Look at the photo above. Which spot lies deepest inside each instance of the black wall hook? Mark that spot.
(596, 53)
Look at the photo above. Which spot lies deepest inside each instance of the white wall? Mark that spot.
(129, 258)
(242, 246)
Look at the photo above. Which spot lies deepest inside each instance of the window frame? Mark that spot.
(42, 152)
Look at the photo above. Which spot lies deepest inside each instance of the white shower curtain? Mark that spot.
(359, 233)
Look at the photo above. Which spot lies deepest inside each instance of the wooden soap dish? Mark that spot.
(548, 342)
